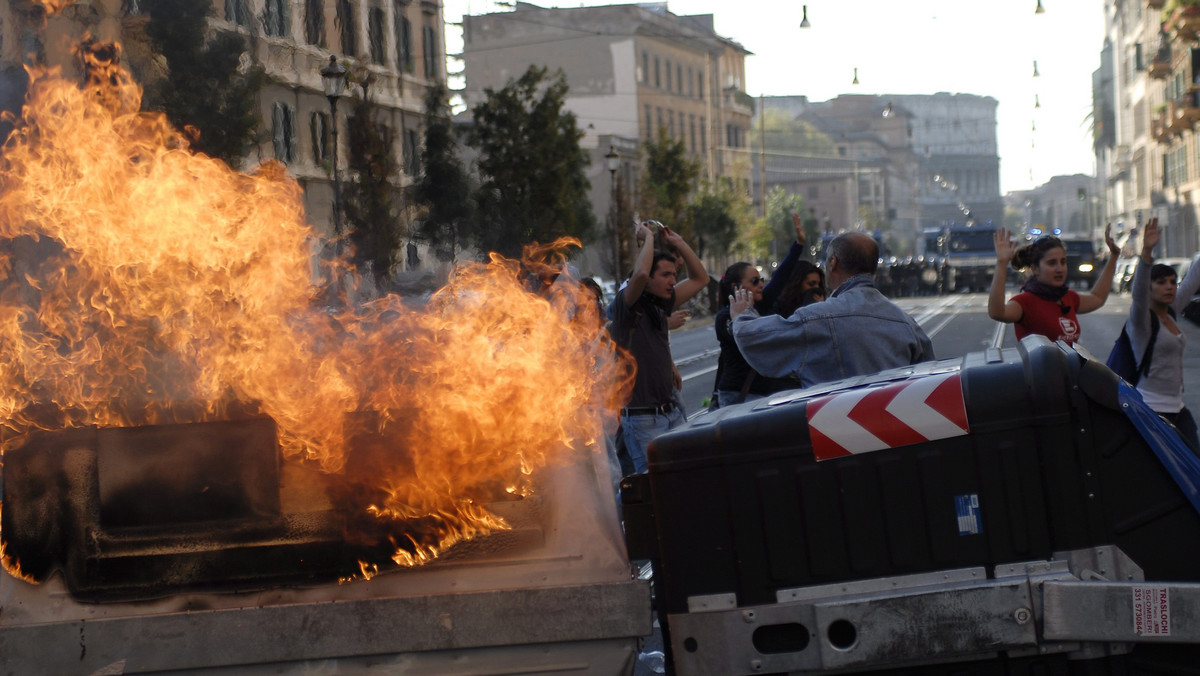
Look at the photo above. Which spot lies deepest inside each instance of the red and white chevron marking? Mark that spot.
(899, 414)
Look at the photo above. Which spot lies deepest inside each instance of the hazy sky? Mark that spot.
(984, 47)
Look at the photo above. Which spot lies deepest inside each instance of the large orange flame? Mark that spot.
(142, 283)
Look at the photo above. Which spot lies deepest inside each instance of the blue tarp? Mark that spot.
(1172, 452)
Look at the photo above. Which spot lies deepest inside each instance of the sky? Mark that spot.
(983, 47)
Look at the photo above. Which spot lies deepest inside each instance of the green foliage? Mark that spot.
(668, 178)
(370, 199)
(533, 186)
(785, 133)
(443, 188)
(203, 92)
(715, 214)
(781, 204)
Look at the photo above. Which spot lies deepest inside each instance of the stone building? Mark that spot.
(398, 42)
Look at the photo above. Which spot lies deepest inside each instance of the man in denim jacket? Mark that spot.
(857, 331)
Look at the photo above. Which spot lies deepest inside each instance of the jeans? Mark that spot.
(640, 430)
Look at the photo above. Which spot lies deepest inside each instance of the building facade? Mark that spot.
(1147, 106)
(634, 71)
(900, 163)
(398, 43)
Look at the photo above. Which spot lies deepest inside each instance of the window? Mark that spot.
(692, 131)
(375, 24)
(319, 126)
(314, 22)
(412, 152)
(679, 78)
(657, 74)
(404, 46)
(668, 75)
(645, 68)
(658, 118)
(700, 85)
(275, 18)
(649, 124)
(429, 51)
(670, 122)
(345, 20)
(283, 128)
(691, 83)
(238, 12)
(703, 137)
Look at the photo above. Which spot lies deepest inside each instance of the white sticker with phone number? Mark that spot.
(1151, 611)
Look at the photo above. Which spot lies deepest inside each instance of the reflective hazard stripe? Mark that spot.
(897, 414)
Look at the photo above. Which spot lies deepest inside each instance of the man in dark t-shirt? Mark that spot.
(639, 324)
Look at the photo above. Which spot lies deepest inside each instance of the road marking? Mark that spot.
(934, 310)
(710, 369)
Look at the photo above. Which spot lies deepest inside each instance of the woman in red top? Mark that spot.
(1045, 305)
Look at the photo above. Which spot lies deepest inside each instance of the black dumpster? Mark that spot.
(906, 522)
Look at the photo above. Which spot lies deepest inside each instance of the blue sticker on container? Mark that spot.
(967, 509)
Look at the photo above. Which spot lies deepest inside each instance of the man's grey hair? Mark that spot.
(857, 253)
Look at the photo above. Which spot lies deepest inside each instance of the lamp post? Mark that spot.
(333, 78)
(612, 160)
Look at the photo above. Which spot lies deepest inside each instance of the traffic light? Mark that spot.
(1082, 194)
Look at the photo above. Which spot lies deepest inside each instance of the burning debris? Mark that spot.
(144, 285)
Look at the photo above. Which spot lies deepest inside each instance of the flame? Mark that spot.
(142, 283)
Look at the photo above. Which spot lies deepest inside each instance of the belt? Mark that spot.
(649, 410)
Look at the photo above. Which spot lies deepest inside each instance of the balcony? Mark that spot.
(1187, 108)
(1184, 23)
(1158, 129)
(739, 100)
(1159, 68)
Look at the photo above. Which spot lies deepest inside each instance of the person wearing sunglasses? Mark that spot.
(1046, 306)
(736, 381)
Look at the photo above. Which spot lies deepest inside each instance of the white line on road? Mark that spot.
(710, 369)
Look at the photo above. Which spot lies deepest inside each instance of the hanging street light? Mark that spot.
(855, 76)
(804, 21)
(333, 78)
(1040, 9)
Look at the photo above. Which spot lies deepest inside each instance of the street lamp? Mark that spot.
(333, 78)
(612, 160)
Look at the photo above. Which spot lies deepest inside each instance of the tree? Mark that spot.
(715, 215)
(533, 186)
(667, 180)
(203, 92)
(371, 199)
(443, 188)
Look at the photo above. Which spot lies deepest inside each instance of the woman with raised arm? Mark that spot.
(1157, 300)
(1046, 305)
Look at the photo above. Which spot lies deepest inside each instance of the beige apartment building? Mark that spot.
(398, 42)
(634, 71)
(1147, 106)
